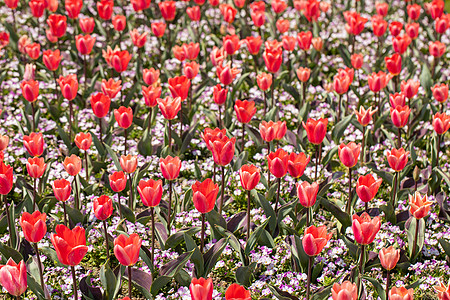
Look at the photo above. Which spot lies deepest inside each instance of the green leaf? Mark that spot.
(411, 230)
(109, 282)
(340, 127)
(267, 207)
(445, 246)
(378, 286)
(244, 274)
(340, 215)
(241, 160)
(425, 80)
(252, 241)
(213, 255)
(197, 257)
(113, 157)
(8, 252)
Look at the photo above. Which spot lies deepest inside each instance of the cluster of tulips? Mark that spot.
(274, 56)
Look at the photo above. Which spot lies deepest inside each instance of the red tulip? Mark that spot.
(394, 64)
(401, 293)
(204, 195)
(282, 25)
(118, 181)
(124, 116)
(13, 277)
(100, 104)
(400, 43)
(307, 193)
(150, 192)
(150, 76)
(245, 110)
(355, 23)
(278, 6)
(400, 116)
(51, 59)
(158, 28)
(201, 289)
(117, 59)
(264, 81)
(278, 162)
(258, 18)
(379, 25)
(194, 13)
(61, 189)
(315, 239)
(103, 207)
(253, 44)
(395, 28)
(344, 291)
(6, 178)
(389, 257)
(367, 187)
(168, 10)
(33, 226)
(179, 87)
(303, 74)
(397, 159)
(419, 206)
(128, 163)
(382, 8)
(126, 249)
(413, 11)
(412, 30)
(250, 176)
(105, 9)
(349, 154)
(37, 7)
(226, 73)
(364, 228)
(191, 69)
(211, 135)
(231, 44)
(169, 107)
(410, 88)
(30, 90)
(365, 116)
(12, 4)
(237, 292)
(83, 140)
(304, 40)
(436, 8)
(228, 12)
(36, 167)
(219, 94)
(441, 123)
(170, 167)
(69, 86)
(73, 8)
(317, 42)
(57, 24)
(341, 82)
(316, 130)
(86, 24)
(84, 43)
(139, 5)
(273, 57)
(397, 99)
(223, 150)
(441, 24)
(436, 48)
(111, 87)
(270, 131)
(440, 92)
(72, 165)
(378, 81)
(4, 141)
(217, 55)
(34, 143)
(119, 22)
(443, 292)
(357, 61)
(70, 245)
(151, 95)
(297, 164)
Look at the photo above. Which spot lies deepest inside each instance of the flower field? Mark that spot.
(211, 149)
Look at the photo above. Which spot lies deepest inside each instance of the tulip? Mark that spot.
(69, 86)
(231, 44)
(191, 69)
(304, 40)
(126, 250)
(355, 23)
(441, 24)
(128, 163)
(270, 131)
(228, 12)
(365, 116)
(394, 66)
(36, 167)
(118, 182)
(138, 39)
(84, 44)
(150, 76)
(12, 4)
(397, 159)
(179, 87)
(400, 43)
(413, 11)
(194, 13)
(33, 50)
(441, 124)
(30, 90)
(105, 9)
(119, 22)
(419, 206)
(316, 130)
(382, 8)
(72, 165)
(57, 24)
(179, 53)
(410, 88)
(273, 57)
(250, 176)
(103, 209)
(253, 44)
(401, 293)
(278, 164)
(344, 291)
(201, 289)
(237, 292)
(62, 190)
(170, 169)
(139, 5)
(158, 29)
(150, 192)
(440, 93)
(169, 108)
(34, 143)
(367, 187)
(264, 81)
(86, 24)
(443, 292)
(111, 87)
(204, 197)
(226, 73)
(51, 59)
(168, 10)
(395, 28)
(349, 154)
(13, 277)
(218, 55)
(307, 194)
(6, 184)
(73, 8)
(397, 99)
(33, 226)
(400, 117)
(37, 7)
(245, 110)
(412, 30)
(297, 164)
(389, 257)
(379, 26)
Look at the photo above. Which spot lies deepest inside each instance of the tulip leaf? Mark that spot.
(240, 161)
(176, 238)
(281, 295)
(35, 287)
(213, 255)
(378, 287)
(197, 257)
(109, 282)
(445, 246)
(426, 80)
(168, 271)
(90, 292)
(244, 274)
(8, 252)
(252, 241)
(159, 283)
(113, 157)
(411, 230)
(340, 127)
(330, 154)
(268, 209)
(340, 215)
(143, 281)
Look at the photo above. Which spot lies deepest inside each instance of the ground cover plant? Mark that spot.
(219, 149)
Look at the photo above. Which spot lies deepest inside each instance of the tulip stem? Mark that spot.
(222, 193)
(101, 130)
(120, 205)
(202, 235)
(56, 85)
(265, 102)
(438, 149)
(248, 213)
(363, 145)
(129, 282)
(243, 135)
(278, 195)
(34, 193)
(388, 283)
(308, 285)
(399, 138)
(366, 207)
(214, 172)
(169, 212)
(338, 118)
(65, 213)
(74, 278)
(33, 112)
(220, 118)
(85, 71)
(130, 199)
(308, 216)
(416, 235)
(361, 268)
(105, 228)
(350, 198)
(149, 125)
(152, 212)
(70, 119)
(87, 168)
(77, 199)
(394, 193)
(169, 133)
(317, 162)
(38, 257)
(125, 133)
(268, 169)
(8, 218)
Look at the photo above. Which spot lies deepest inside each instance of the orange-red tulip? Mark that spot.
(33, 226)
(205, 195)
(70, 245)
